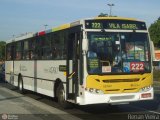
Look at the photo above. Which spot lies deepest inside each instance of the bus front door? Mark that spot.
(72, 66)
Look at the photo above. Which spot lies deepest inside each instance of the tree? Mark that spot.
(154, 31)
(103, 15)
(2, 50)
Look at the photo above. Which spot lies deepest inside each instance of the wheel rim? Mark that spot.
(20, 85)
(61, 96)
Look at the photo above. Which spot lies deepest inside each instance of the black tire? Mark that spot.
(20, 85)
(61, 97)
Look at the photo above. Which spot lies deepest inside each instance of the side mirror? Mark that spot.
(85, 44)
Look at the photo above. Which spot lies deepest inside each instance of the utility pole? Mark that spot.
(110, 5)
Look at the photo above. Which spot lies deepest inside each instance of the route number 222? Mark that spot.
(137, 66)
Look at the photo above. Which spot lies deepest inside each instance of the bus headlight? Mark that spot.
(94, 91)
(99, 91)
(91, 90)
(145, 89)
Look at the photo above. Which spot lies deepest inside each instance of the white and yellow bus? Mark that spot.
(90, 61)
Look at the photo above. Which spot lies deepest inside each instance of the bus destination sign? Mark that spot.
(115, 24)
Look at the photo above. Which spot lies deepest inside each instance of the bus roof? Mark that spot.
(114, 18)
(65, 26)
(21, 37)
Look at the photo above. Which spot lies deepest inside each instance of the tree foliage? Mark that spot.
(2, 50)
(102, 15)
(154, 30)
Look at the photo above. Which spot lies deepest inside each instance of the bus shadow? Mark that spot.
(11, 98)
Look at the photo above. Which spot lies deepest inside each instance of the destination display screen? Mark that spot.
(115, 24)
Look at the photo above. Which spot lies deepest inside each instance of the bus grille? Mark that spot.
(121, 80)
(129, 90)
(114, 98)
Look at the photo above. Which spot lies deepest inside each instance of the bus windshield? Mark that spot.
(115, 52)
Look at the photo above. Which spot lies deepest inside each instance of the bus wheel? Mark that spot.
(61, 97)
(20, 84)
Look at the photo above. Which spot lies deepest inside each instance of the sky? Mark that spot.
(21, 16)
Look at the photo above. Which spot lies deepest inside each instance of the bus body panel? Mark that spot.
(115, 84)
(123, 98)
(24, 68)
(41, 81)
(49, 70)
(45, 87)
(116, 89)
(47, 73)
(9, 72)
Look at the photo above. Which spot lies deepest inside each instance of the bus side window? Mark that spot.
(58, 46)
(18, 50)
(38, 48)
(31, 50)
(46, 48)
(9, 52)
(25, 50)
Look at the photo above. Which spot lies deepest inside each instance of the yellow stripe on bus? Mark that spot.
(61, 27)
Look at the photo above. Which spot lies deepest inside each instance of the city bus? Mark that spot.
(90, 61)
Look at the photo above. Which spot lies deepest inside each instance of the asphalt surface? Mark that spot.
(32, 106)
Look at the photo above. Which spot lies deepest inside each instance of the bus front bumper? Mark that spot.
(90, 98)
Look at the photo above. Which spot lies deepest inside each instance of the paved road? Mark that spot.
(31, 106)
